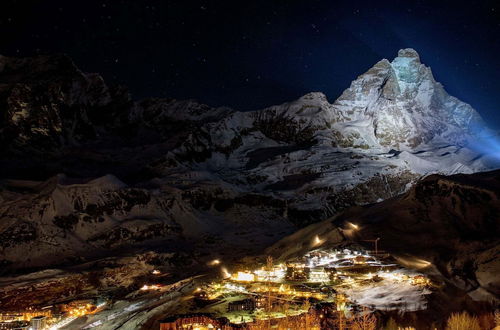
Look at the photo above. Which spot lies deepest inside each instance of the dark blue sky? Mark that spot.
(252, 54)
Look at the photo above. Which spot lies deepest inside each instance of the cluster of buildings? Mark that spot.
(310, 320)
(319, 276)
(318, 266)
(48, 317)
(28, 319)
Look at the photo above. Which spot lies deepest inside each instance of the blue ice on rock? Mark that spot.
(407, 65)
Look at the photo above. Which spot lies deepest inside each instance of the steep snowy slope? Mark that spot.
(65, 221)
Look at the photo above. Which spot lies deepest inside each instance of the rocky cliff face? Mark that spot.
(48, 103)
(406, 107)
(181, 169)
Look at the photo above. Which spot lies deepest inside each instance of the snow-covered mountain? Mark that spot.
(394, 124)
(182, 169)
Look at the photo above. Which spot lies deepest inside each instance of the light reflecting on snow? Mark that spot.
(487, 145)
(390, 294)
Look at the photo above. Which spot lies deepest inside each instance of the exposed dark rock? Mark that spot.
(21, 233)
(67, 222)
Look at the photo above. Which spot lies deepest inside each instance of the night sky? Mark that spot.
(251, 54)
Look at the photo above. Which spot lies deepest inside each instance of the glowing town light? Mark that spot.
(353, 226)
(214, 262)
(243, 277)
(317, 241)
(225, 273)
(420, 280)
(156, 272)
(146, 287)
(414, 262)
(421, 263)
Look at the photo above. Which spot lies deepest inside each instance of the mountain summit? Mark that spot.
(411, 108)
(394, 105)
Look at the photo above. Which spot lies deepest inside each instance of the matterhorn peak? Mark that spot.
(404, 106)
(408, 68)
(408, 52)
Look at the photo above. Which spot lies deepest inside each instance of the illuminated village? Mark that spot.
(50, 317)
(326, 288)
